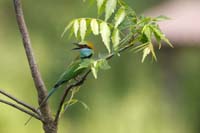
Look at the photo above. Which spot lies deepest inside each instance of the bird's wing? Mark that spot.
(69, 73)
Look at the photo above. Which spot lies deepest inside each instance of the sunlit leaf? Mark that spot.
(152, 51)
(147, 32)
(115, 38)
(67, 28)
(110, 8)
(102, 55)
(103, 64)
(144, 20)
(72, 101)
(76, 27)
(160, 34)
(119, 17)
(83, 28)
(140, 47)
(94, 70)
(67, 104)
(75, 90)
(146, 52)
(161, 18)
(167, 41)
(94, 26)
(99, 5)
(84, 105)
(158, 39)
(105, 34)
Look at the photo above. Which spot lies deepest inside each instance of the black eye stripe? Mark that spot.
(84, 46)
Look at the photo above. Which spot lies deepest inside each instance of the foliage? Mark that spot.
(73, 101)
(119, 26)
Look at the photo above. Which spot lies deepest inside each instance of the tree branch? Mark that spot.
(39, 84)
(82, 79)
(19, 101)
(67, 89)
(21, 109)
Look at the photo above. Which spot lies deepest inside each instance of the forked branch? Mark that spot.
(39, 84)
(19, 101)
(21, 109)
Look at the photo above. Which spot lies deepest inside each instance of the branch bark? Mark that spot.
(21, 109)
(48, 123)
(19, 101)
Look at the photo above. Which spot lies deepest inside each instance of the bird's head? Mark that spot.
(86, 49)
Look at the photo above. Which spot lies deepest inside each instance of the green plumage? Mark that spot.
(71, 72)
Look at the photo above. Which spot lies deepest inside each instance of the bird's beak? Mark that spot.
(78, 46)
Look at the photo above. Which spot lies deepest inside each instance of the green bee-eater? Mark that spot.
(86, 50)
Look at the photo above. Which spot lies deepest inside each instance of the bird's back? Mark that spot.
(71, 72)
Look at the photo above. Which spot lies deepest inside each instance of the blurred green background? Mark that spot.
(153, 97)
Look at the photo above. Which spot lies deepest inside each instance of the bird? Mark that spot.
(86, 51)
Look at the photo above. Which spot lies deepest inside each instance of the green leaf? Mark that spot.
(75, 90)
(140, 47)
(103, 64)
(94, 26)
(99, 5)
(76, 27)
(147, 32)
(94, 70)
(158, 39)
(146, 52)
(115, 38)
(84, 105)
(159, 34)
(167, 41)
(120, 16)
(72, 101)
(102, 55)
(99, 64)
(152, 51)
(144, 20)
(67, 104)
(105, 34)
(67, 28)
(110, 8)
(83, 28)
(161, 18)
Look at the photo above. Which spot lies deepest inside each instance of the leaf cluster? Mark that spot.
(118, 25)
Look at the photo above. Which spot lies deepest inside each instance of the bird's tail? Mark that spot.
(46, 98)
(43, 102)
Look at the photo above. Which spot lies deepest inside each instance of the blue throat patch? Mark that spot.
(86, 53)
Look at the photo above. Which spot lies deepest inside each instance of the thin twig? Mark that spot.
(81, 81)
(67, 89)
(21, 109)
(19, 101)
(39, 84)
